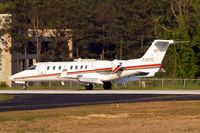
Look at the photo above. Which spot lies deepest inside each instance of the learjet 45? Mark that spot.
(104, 72)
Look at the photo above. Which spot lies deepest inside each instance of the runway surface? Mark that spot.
(193, 92)
(27, 100)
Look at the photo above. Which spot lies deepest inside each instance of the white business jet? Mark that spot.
(91, 72)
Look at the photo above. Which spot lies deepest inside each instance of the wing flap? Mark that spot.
(83, 79)
(126, 79)
(135, 77)
(90, 80)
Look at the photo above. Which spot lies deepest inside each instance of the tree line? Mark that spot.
(109, 29)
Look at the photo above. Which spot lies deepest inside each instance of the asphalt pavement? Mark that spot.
(29, 101)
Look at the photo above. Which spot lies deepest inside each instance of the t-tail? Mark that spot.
(156, 52)
(154, 56)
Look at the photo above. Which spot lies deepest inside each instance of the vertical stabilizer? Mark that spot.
(156, 51)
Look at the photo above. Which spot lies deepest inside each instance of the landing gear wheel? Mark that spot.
(25, 85)
(107, 85)
(89, 87)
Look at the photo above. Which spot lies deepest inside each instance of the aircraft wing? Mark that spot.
(90, 80)
(126, 79)
(83, 79)
(80, 78)
(135, 77)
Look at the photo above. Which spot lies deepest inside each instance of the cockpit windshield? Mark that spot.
(33, 67)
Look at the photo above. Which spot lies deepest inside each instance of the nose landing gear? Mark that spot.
(89, 87)
(25, 86)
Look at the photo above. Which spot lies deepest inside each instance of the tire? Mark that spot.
(107, 85)
(89, 87)
(25, 86)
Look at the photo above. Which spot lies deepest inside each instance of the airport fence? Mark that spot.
(165, 83)
(148, 83)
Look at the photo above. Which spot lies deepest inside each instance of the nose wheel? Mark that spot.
(89, 87)
(25, 86)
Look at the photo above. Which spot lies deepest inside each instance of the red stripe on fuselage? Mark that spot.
(81, 71)
(116, 69)
(141, 66)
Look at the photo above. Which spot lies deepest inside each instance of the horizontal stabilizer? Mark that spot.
(178, 42)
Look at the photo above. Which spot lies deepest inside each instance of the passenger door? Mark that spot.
(64, 72)
(42, 69)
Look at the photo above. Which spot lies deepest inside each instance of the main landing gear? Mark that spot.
(107, 85)
(89, 87)
(25, 86)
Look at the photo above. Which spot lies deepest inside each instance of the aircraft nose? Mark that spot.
(11, 78)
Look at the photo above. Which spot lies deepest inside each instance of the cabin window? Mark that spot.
(71, 67)
(48, 67)
(33, 67)
(59, 68)
(81, 67)
(86, 67)
(76, 67)
(54, 67)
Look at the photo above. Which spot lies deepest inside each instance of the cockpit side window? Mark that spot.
(33, 67)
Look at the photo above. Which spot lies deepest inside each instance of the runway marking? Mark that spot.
(175, 92)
